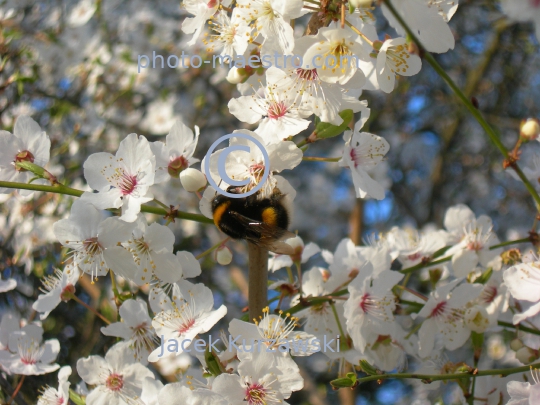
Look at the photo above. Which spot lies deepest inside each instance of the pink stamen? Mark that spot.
(365, 303)
(186, 326)
(307, 74)
(127, 183)
(438, 310)
(255, 394)
(277, 110)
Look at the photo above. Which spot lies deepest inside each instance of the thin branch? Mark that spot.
(428, 378)
(65, 190)
(468, 104)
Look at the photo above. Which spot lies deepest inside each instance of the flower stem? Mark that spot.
(113, 285)
(415, 293)
(343, 335)
(428, 378)
(352, 27)
(84, 304)
(160, 203)
(467, 103)
(519, 327)
(320, 159)
(510, 242)
(17, 389)
(210, 250)
(423, 264)
(65, 190)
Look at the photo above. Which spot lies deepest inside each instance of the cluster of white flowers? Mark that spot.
(356, 306)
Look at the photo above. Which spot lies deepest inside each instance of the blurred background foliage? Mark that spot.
(77, 76)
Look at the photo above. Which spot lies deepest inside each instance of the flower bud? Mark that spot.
(223, 255)
(526, 355)
(530, 129)
(192, 180)
(234, 76)
(516, 344)
(477, 319)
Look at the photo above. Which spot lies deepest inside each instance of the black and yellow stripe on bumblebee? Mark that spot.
(263, 222)
(270, 216)
(219, 210)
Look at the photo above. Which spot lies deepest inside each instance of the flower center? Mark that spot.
(354, 157)
(307, 74)
(397, 57)
(92, 246)
(489, 294)
(51, 397)
(277, 110)
(438, 310)
(255, 394)
(127, 183)
(30, 351)
(475, 245)
(24, 156)
(267, 10)
(115, 382)
(212, 3)
(186, 326)
(415, 256)
(366, 303)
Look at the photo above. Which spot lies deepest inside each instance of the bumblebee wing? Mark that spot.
(265, 235)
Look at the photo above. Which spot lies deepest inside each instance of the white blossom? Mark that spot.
(122, 180)
(117, 378)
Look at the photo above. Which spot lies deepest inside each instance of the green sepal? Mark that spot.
(213, 365)
(325, 130)
(344, 382)
(368, 368)
(76, 398)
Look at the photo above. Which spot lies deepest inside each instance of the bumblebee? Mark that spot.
(263, 222)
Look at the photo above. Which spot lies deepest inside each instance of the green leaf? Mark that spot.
(76, 398)
(213, 365)
(37, 170)
(344, 382)
(325, 130)
(368, 368)
(484, 278)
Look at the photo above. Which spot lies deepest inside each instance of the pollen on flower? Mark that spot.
(255, 394)
(277, 109)
(50, 282)
(30, 351)
(115, 382)
(50, 396)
